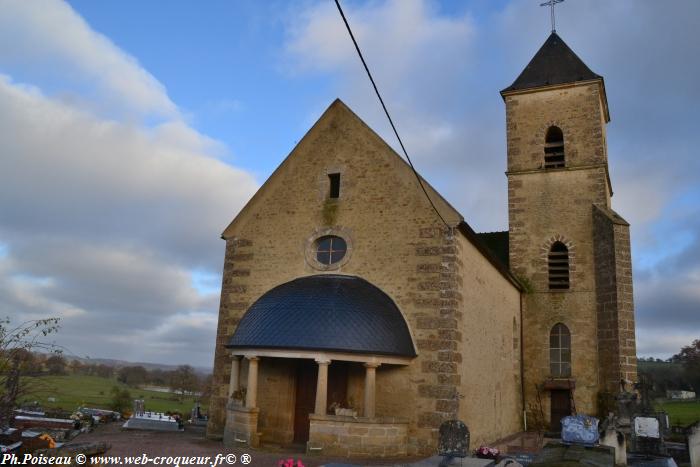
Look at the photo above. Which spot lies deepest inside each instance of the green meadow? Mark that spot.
(681, 412)
(73, 391)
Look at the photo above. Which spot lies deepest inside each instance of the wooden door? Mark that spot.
(307, 371)
(338, 384)
(560, 407)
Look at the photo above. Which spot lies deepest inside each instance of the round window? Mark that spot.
(330, 249)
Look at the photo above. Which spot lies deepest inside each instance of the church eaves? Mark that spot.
(554, 64)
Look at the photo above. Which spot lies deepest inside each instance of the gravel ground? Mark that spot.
(192, 442)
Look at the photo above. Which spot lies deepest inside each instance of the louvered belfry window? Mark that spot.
(554, 148)
(558, 265)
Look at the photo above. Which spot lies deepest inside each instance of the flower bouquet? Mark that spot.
(485, 452)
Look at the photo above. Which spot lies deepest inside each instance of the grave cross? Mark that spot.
(551, 3)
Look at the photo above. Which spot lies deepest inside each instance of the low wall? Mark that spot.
(335, 435)
(241, 427)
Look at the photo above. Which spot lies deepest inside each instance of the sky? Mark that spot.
(133, 132)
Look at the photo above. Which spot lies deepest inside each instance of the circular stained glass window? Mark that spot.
(330, 249)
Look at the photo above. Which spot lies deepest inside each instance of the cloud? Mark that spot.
(111, 180)
(110, 219)
(50, 33)
(425, 63)
(442, 88)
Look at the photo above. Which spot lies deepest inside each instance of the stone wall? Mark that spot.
(332, 435)
(241, 426)
(552, 205)
(549, 207)
(576, 109)
(488, 366)
(397, 243)
(616, 339)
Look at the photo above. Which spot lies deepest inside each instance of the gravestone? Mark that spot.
(627, 405)
(579, 429)
(522, 458)
(152, 421)
(647, 427)
(647, 437)
(574, 455)
(645, 460)
(509, 462)
(139, 407)
(616, 440)
(453, 441)
(694, 445)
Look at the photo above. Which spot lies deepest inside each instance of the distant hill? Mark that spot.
(115, 363)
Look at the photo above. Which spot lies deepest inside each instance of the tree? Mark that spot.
(158, 377)
(662, 376)
(16, 346)
(77, 368)
(56, 365)
(206, 388)
(132, 375)
(689, 356)
(29, 362)
(103, 371)
(183, 380)
(121, 399)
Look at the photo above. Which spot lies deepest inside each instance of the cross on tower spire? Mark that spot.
(551, 3)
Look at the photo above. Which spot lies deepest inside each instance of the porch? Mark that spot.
(307, 353)
(323, 402)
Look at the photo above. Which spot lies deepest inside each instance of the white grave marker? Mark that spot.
(647, 427)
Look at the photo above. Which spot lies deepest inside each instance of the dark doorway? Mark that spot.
(307, 371)
(561, 407)
(338, 384)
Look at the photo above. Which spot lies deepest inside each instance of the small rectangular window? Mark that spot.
(335, 185)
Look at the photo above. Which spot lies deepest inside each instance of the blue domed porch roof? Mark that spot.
(325, 313)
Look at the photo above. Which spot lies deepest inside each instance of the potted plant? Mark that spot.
(338, 409)
(238, 396)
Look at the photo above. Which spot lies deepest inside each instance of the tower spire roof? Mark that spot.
(555, 63)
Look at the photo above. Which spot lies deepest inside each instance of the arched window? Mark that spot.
(554, 148)
(560, 351)
(558, 266)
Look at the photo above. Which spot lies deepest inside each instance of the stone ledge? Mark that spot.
(239, 408)
(360, 437)
(348, 419)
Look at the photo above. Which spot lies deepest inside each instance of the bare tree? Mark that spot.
(56, 365)
(16, 344)
(183, 380)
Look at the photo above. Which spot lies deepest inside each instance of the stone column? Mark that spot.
(251, 396)
(322, 387)
(370, 388)
(234, 382)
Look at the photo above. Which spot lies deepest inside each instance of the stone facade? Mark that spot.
(616, 338)
(481, 332)
(451, 296)
(241, 426)
(358, 437)
(555, 205)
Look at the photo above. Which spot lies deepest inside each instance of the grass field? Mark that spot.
(681, 412)
(70, 392)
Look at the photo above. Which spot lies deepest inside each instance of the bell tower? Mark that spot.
(566, 244)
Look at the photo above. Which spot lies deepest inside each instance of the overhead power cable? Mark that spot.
(391, 122)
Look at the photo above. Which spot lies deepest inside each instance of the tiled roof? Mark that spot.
(497, 243)
(555, 63)
(325, 312)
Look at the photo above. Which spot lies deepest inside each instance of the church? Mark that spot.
(359, 310)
